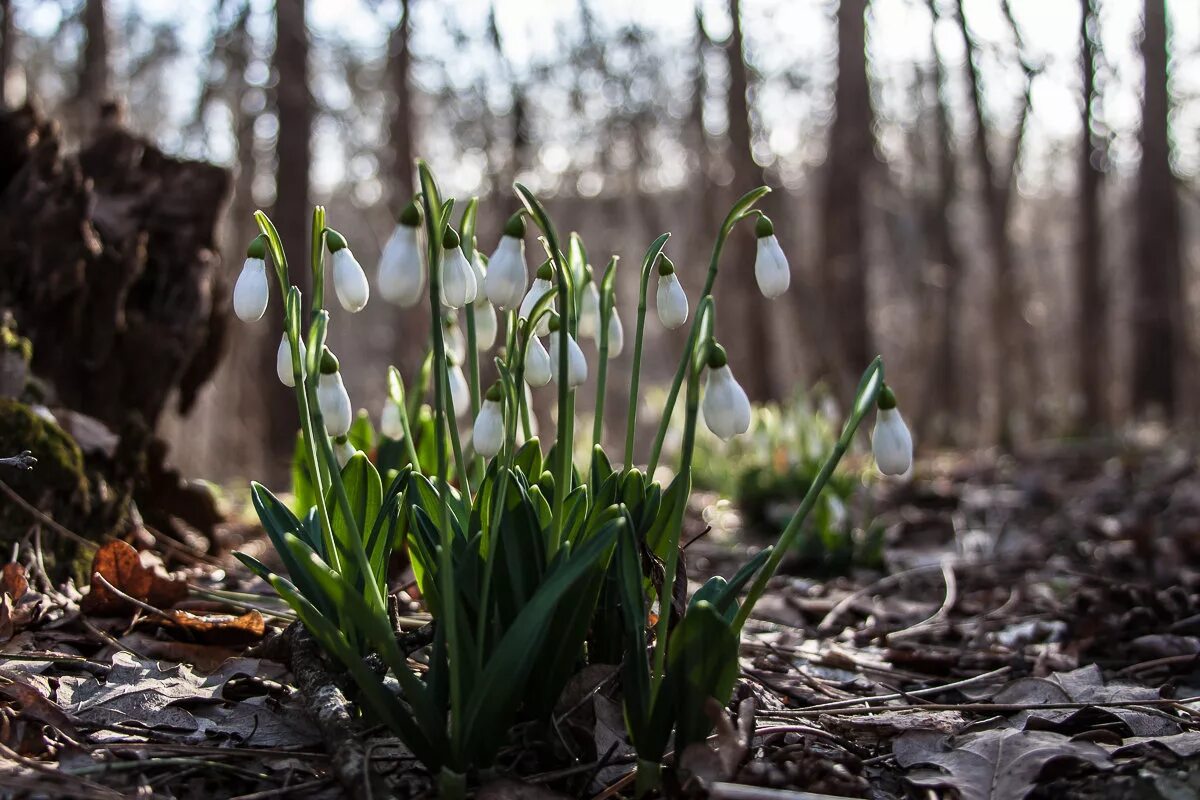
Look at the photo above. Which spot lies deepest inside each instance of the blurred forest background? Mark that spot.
(1000, 196)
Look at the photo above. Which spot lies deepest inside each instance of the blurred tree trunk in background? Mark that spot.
(1158, 282)
(843, 259)
(943, 395)
(291, 213)
(751, 351)
(8, 32)
(94, 75)
(1092, 309)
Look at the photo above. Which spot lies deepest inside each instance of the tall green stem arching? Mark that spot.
(607, 289)
(396, 395)
(318, 258)
(864, 401)
(649, 262)
(694, 360)
(740, 210)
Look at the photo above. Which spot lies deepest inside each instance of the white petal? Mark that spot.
(672, 302)
(589, 311)
(283, 361)
(537, 364)
(335, 404)
(456, 343)
(251, 292)
(401, 268)
(616, 335)
(507, 273)
(458, 279)
(349, 281)
(488, 434)
(891, 443)
(390, 424)
(460, 392)
(536, 291)
(771, 268)
(726, 407)
(485, 325)
(344, 452)
(576, 363)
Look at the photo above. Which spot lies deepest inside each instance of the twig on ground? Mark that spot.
(843, 605)
(943, 611)
(43, 516)
(990, 708)
(23, 461)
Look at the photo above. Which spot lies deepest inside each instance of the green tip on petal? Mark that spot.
(665, 265)
(450, 240)
(410, 215)
(495, 393)
(258, 247)
(887, 398)
(334, 240)
(717, 357)
(515, 226)
(546, 271)
(329, 362)
(764, 228)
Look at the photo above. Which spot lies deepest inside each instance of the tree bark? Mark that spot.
(94, 76)
(1092, 300)
(1158, 281)
(843, 221)
(399, 68)
(8, 33)
(291, 213)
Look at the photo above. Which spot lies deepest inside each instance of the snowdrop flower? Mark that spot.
(332, 397)
(455, 342)
(508, 273)
(390, 424)
(891, 441)
(283, 361)
(485, 312)
(589, 311)
(349, 280)
(726, 407)
(542, 284)
(458, 279)
(537, 363)
(671, 300)
(251, 292)
(616, 334)
(577, 369)
(401, 268)
(343, 450)
(770, 265)
(488, 434)
(460, 392)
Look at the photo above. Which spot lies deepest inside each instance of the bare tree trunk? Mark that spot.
(291, 213)
(94, 76)
(399, 67)
(1090, 294)
(753, 351)
(1158, 282)
(843, 222)
(8, 33)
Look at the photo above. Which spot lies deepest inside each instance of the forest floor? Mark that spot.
(1036, 633)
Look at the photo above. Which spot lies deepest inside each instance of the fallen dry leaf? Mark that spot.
(13, 581)
(225, 629)
(1084, 685)
(998, 764)
(121, 566)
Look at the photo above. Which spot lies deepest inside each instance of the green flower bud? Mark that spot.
(763, 228)
(717, 357)
(546, 271)
(410, 215)
(450, 240)
(258, 247)
(334, 240)
(515, 226)
(495, 393)
(665, 265)
(886, 399)
(329, 362)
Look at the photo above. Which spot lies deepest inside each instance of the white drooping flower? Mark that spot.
(891, 441)
(455, 342)
(401, 268)
(770, 264)
(616, 334)
(726, 407)
(484, 311)
(671, 300)
(508, 273)
(487, 436)
(589, 312)
(349, 281)
(334, 402)
(577, 369)
(537, 363)
(458, 278)
(542, 284)
(252, 291)
(460, 392)
(390, 424)
(283, 361)
(343, 450)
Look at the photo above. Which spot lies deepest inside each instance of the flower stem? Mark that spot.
(606, 307)
(648, 265)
